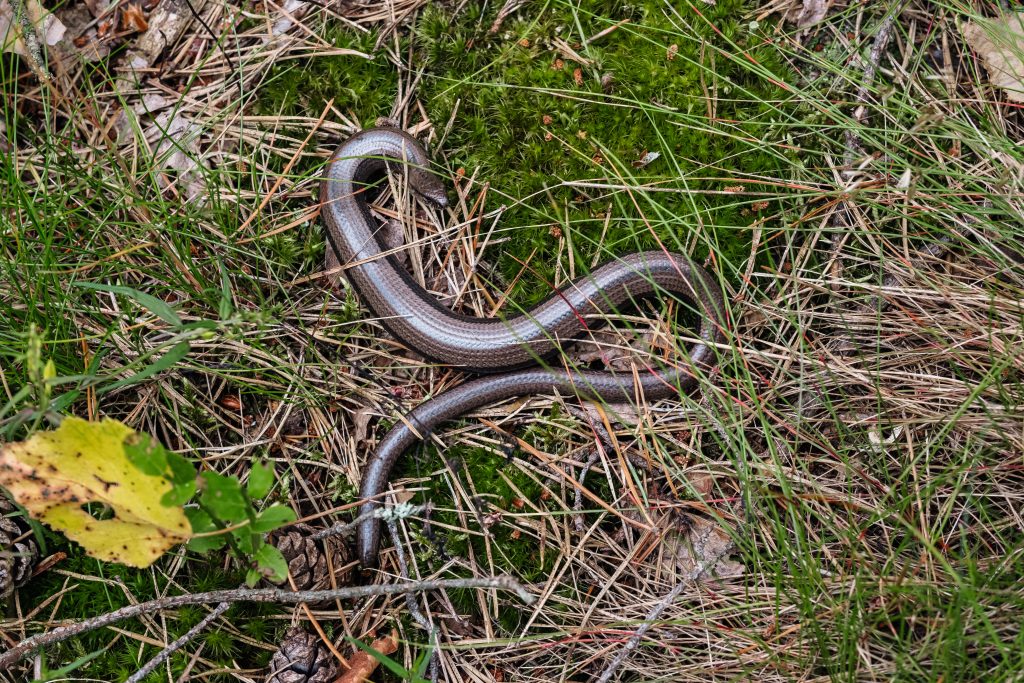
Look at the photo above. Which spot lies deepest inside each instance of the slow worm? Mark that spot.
(490, 345)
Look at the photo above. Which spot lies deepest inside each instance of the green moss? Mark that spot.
(90, 598)
(498, 484)
(525, 120)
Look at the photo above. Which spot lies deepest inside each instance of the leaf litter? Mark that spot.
(1000, 44)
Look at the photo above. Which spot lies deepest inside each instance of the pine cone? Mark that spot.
(302, 658)
(17, 557)
(307, 558)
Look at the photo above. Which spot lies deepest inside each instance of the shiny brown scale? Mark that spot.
(490, 345)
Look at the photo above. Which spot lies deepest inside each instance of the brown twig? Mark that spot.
(152, 664)
(33, 49)
(271, 595)
(882, 37)
(410, 601)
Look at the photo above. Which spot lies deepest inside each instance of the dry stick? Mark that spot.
(577, 503)
(882, 38)
(695, 573)
(410, 601)
(265, 595)
(33, 49)
(403, 569)
(602, 34)
(152, 664)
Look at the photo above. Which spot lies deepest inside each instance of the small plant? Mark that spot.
(131, 475)
(141, 488)
(225, 513)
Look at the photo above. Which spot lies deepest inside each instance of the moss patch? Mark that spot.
(90, 598)
(527, 119)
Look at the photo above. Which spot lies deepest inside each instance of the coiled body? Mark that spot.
(490, 345)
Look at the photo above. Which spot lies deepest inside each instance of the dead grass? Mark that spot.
(846, 486)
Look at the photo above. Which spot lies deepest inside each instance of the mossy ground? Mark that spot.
(526, 119)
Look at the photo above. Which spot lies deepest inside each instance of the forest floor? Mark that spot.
(838, 499)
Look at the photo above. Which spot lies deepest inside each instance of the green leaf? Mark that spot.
(252, 577)
(152, 458)
(247, 540)
(181, 469)
(224, 498)
(199, 325)
(205, 544)
(272, 563)
(147, 454)
(202, 523)
(148, 301)
(61, 674)
(226, 304)
(424, 660)
(273, 517)
(182, 477)
(261, 478)
(179, 494)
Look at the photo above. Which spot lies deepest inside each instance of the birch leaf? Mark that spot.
(1000, 44)
(54, 474)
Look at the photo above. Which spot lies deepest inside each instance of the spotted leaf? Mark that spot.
(79, 480)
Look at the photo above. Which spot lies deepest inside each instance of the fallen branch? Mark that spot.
(271, 595)
(691, 577)
(33, 49)
(152, 664)
(882, 37)
(410, 601)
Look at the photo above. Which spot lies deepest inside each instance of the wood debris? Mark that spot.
(362, 664)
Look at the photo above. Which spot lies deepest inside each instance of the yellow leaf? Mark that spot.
(53, 474)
